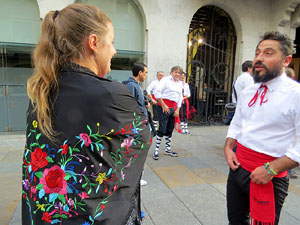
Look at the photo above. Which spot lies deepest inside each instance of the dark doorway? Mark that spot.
(295, 64)
(210, 63)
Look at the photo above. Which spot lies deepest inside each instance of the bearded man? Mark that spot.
(265, 124)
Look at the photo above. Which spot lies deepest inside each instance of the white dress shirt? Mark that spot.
(270, 128)
(186, 89)
(167, 88)
(152, 86)
(243, 81)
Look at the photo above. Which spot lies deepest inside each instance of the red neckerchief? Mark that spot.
(262, 203)
(263, 94)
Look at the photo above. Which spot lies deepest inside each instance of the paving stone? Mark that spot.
(194, 163)
(177, 176)
(211, 175)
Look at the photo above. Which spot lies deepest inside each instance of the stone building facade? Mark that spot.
(157, 32)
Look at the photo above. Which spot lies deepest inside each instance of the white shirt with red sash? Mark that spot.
(167, 88)
(186, 89)
(152, 87)
(272, 123)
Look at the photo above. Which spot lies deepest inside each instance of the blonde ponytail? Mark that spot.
(62, 40)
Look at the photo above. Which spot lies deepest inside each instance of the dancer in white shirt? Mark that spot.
(169, 97)
(266, 122)
(244, 80)
(185, 104)
(150, 92)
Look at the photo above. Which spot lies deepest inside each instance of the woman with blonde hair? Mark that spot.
(87, 139)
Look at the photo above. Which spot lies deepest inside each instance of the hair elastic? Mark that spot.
(55, 14)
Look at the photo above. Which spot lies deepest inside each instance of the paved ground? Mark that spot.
(188, 190)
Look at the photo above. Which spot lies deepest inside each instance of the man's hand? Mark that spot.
(231, 158)
(260, 175)
(154, 102)
(176, 112)
(165, 108)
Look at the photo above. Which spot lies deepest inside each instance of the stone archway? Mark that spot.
(210, 62)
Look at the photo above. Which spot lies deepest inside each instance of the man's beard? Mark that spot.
(268, 75)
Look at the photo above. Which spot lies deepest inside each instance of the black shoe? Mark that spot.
(171, 153)
(155, 155)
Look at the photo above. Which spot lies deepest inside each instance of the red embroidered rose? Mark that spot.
(47, 217)
(85, 138)
(54, 180)
(65, 149)
(38, 159)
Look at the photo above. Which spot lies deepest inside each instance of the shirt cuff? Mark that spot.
(294, 153)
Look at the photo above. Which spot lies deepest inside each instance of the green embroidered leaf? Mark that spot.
(39, 186)
(76, 150)
(82, 209)
(29, 135)
(62, 198)
(88, 127)
(39, 174)
(43, 146)
(49, 159)
(33, 145)
(64, 216)
(56, 216)
(90, 191)
(38, 136)
(84, 185)
(80, 204)
(67, 177)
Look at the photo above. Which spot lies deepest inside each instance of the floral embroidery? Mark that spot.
(34, 124)
(85, 138)
(38, 159)
(59, 190)
(65, 149)
(54, 181)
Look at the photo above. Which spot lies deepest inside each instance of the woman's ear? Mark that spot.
(93, 43)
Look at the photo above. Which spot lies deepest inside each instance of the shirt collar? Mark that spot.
(276, 82)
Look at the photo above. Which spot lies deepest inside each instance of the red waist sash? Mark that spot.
(153, 96)
(169, 103)
(262, 203)
(250, 159)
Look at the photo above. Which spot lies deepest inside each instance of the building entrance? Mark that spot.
(210, 62)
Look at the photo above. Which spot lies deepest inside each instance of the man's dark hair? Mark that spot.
(137, 67)
(286, 45)
(247, 64)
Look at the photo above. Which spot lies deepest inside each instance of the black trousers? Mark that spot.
(155, 114)
(183, 113)
(238, 185)
(166, 122)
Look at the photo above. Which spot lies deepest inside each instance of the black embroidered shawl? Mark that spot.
(91, 175)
